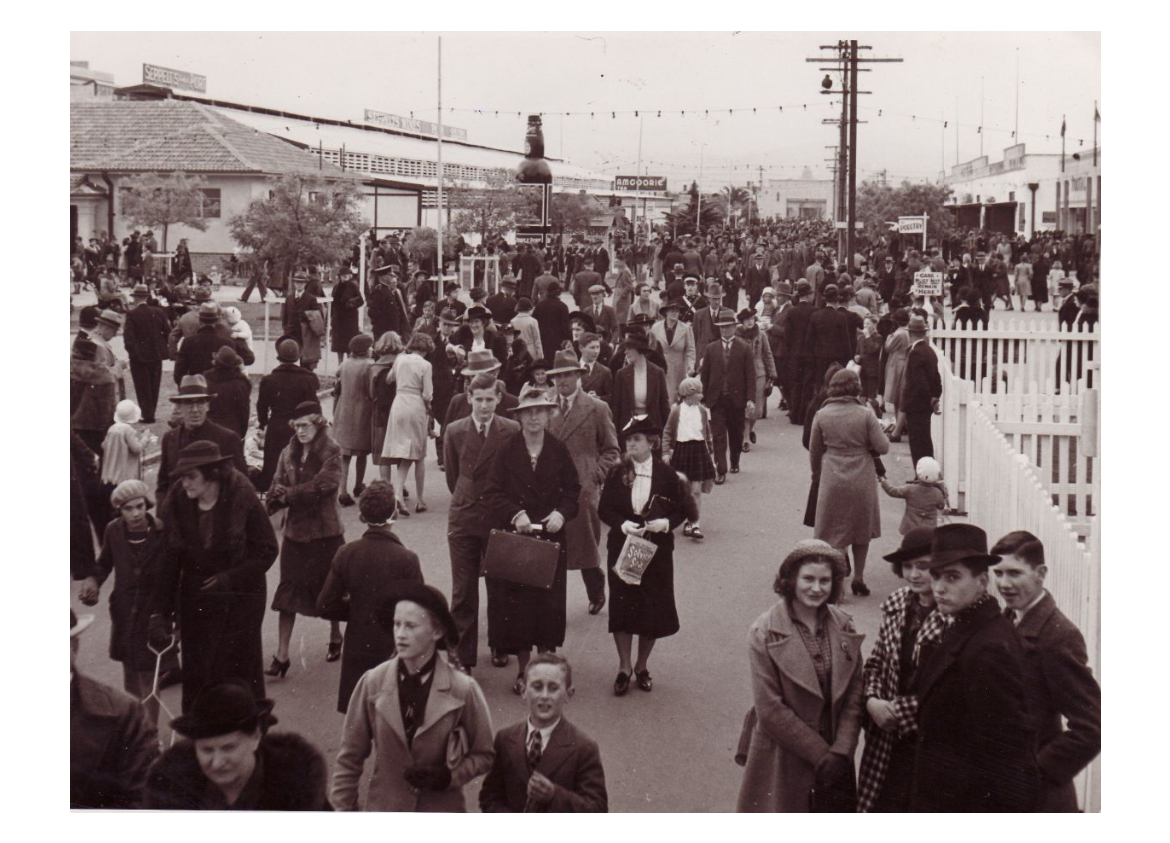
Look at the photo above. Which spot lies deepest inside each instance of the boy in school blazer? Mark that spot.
(545, 764)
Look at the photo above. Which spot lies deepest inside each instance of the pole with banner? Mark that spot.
(928, 284)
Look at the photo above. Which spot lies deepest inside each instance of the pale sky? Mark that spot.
(338, 75)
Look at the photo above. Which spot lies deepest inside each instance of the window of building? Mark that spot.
(209, 203)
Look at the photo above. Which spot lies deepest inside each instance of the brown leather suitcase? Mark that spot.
(526, 560)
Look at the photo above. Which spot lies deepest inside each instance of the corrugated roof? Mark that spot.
(165, 135)
(360, 140)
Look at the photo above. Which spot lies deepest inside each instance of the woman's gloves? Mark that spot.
(428, 778)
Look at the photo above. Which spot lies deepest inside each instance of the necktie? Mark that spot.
(482, 432)
(564, 404)
(534, 750)
(726, 351)
(1011, 615)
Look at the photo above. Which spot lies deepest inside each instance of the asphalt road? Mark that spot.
(669, 750)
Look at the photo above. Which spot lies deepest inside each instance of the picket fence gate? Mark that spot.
(1008, 359)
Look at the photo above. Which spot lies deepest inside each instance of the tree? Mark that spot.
(733, 199)
(422, 247)
(572, 212)
(306, 220)
(489, 211)
(154, 200)
(682, 221)
(878, 205)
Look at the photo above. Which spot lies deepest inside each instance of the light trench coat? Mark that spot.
(374, 722)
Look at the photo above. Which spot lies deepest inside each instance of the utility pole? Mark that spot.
(833, 162)
(851, 230)
(439, 173)
(846, 63)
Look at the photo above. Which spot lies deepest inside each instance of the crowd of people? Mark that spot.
(576, 438)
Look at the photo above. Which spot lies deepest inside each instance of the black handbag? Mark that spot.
(522, 559)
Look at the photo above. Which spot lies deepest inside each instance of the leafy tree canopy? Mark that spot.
(154, 200)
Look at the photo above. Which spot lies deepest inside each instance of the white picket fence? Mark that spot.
(1006, 493)
(1022, 354)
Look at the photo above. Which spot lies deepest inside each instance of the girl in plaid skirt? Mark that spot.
(687, 446)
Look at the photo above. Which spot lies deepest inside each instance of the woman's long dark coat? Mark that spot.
(281, 391)
(347, 299)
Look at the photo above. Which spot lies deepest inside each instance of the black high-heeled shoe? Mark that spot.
(859, 589)
(278, 667)
(334, 651)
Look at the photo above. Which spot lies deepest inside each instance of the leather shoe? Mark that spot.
(721, 479)
(597, 605)
(344, 499)
(499, 659)
(735, 469)
(752, 437)
(747, 446)
(643, 679)
(621, 684)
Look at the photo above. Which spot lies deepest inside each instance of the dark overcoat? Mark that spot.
(231, 399)
(281, 390)
(657, 396)
(362, 575)
(221, 626)
(736, 379)
(347, 300)
(111, 746)
(135, 581)
(521, 616)
(1059, 683)
(291, 777)
(976, 750)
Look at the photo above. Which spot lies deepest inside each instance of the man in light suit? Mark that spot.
(1058, 681)
(585, 425)
(469, 446)
(677, 343)
(545, 764)
(728, 373)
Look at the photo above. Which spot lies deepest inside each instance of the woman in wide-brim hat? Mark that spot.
(220, 545)
(533, 481)
(639, 387)
(910, 627)
(425, 721)
(646, 498)
(307, 482)
(230, 760)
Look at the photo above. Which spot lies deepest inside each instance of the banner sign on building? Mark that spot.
(656, 183)
(409, 124)
(154, 75)
(927, 284)
(911, 225)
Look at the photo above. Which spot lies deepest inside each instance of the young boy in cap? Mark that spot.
(545, 764)
(1058, 681)
(975, 742)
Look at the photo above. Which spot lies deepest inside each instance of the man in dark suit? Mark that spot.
(386, 305)
(545, 764)
(294, 309)
(529, 266)
(552, 315)
(887, 283)
(982, 279)
(596, 378)
(801, 365)
(194, 402)
(604, 317)
(503, 304)
(703, 324)
(197, 353)
(922, 389)
(975, 743)
(1058, 681)
(728, 373)
(145, 336)
(830, 337)
(469, 446)
(758, 277)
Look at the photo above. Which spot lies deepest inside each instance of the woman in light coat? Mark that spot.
(421, 762)
(845, 437)
(765, 366)
(679, 348)
(807, 714)
(897, 350)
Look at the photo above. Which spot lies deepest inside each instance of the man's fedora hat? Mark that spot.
(480, 361)
(960, 543)
(112, 318)
(803, 288)
(192, 388)
(917, 324)
(725, 317)
(565, 361)
(532, 398)
(209, 313)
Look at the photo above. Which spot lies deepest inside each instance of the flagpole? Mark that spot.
(1063, 127)
(439, 174)
(1096, 120)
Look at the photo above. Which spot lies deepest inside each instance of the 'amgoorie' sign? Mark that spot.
(657, 183)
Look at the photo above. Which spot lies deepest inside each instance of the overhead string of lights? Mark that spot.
(978, 127)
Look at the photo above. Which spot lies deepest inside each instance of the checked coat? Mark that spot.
(880, 680)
